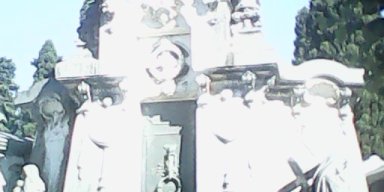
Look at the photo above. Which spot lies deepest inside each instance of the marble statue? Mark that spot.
(91, 148)
(292, 134)
(276, 129)
(101, 133)
(31, 180)
(243, 143)
(222, 164)
(320, 119)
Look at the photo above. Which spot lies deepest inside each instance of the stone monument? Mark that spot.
(177, 101)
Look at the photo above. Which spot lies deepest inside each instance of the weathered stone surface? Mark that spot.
(160, 47)
(53, 109)
(303, 133)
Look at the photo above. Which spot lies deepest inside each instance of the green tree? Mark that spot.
(339, 30)
(12, 119)
(8, 88)
(46, 62)
(27, 126)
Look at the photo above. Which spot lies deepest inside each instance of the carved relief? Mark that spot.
(170, 169)
(55, 134)
(168, 61)
(162, 169)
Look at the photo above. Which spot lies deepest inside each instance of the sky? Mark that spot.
(27, 24)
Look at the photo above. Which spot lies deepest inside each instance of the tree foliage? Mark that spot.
(46, 62)
(12, 119)
(343, 30)
(8, 115)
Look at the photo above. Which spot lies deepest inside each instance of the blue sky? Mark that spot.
(26, 24)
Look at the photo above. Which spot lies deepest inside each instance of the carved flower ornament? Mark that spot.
(167, 61)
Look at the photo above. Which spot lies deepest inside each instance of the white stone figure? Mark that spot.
(356, 172)
(209, 168)
(101, 136)
(320, 119)
(81, 175)
(222, 161)
(95, 144)
(31, 180)
(55, 135)
(272, 137)
(330, 139)
(111, 135)
(123, 172)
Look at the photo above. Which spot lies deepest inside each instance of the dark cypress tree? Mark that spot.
(8, 88)
(46, 62)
